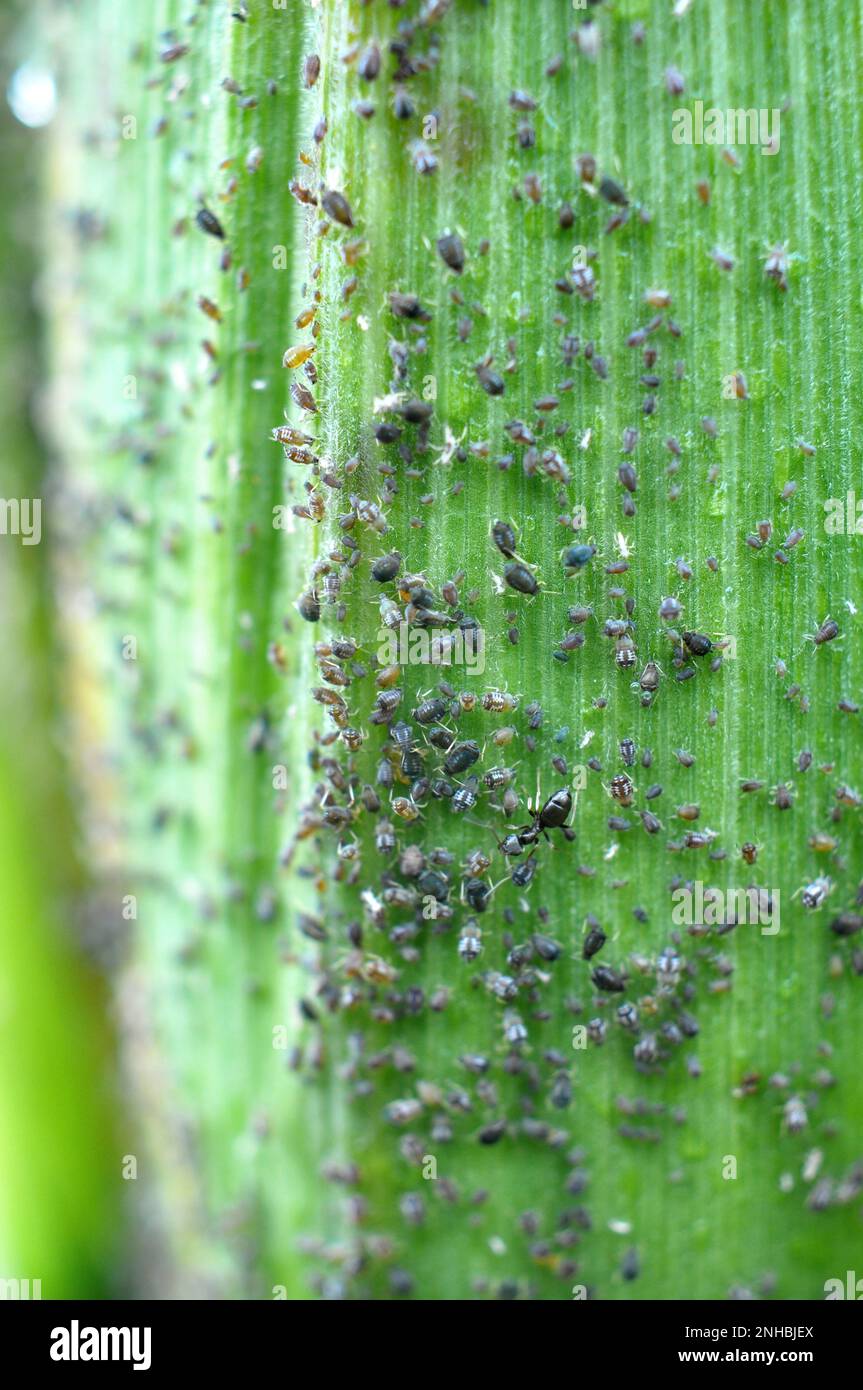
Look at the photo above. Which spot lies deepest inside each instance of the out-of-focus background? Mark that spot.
(63, 1180)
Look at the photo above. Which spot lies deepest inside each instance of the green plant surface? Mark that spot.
(59, 1165)
(660, 1163)
(176, 480)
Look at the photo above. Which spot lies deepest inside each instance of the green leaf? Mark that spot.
(614, 1189)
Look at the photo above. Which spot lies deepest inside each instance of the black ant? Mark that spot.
(551, 815)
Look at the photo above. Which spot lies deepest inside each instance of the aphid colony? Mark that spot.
(421, 784)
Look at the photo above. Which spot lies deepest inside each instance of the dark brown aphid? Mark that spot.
(847, 924)
(209, 222)
(407, 306)
(308, 606)
(337, 207)
(593, 942)
(491, 382)
(460, 757)
(504, 538)
(828, 630)
(415, 411)
(387, 567)
(311, 69)
(628, 477)
(451, 251)
(612, 192)
(606, 978)
(697, 643)
(520, 578)
(749, 852)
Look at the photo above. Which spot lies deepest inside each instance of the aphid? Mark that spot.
(848, 797)
(407, 306)
(411, 763)
(385, 837)
(794, 1115)
(722, 259)
(209, 222)
(649, 679)
(847, 924)
(521, 101)
(391, 614)
(491, 382)
(669, 610)
(470, 942)
(387, 433)
(627, 752)
(286, 434)
(337, 207)
(522, 874)
(561, 1091)
(208, 307)
(499, 702)
(584, 281)
(612, 192)
(460, 757)
(311, 69)
(369, 64)
(490, 1134)
(776, 265)
(697, 643)
(451, 251)
(497, 777)
(828, 630)
(822, 842)
(575, 557)
(593, 942)
(815, 893)
(628, 477)
(476, 894)
(387, 567)
(606, 978)
(430, 711)
(520, 578)
(622, 789)
(173, 52)
(385, 680)
(465, 797)
(504, 538)
(308, 606)
(749, 852)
